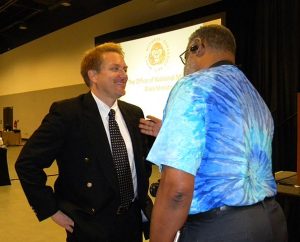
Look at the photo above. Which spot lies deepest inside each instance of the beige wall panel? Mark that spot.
(31, 107)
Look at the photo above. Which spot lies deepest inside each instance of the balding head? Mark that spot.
(215, 43)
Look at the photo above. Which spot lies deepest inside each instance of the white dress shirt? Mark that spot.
(104, 110)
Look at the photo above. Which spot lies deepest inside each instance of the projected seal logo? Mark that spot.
(157, 54)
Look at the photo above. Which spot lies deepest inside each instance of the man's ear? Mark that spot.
(201, 50)
(92, 74)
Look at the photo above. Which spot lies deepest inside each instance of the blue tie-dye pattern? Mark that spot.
(217, 127)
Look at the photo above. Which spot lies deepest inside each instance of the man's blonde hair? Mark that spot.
(93, 58)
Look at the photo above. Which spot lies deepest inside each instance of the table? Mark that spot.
(289, 198)
(11, 137)
(4, 175)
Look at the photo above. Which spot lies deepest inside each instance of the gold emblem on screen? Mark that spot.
(157, 53)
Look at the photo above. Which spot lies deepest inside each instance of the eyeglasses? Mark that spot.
(192, 49)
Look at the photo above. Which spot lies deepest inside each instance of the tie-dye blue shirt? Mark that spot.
(218, 128)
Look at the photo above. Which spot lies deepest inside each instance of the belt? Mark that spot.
(124, 209)
(217, 211)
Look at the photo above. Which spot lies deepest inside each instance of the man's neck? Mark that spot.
(107, 100)
(215, 57)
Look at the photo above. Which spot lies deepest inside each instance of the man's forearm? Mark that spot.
(171, 205)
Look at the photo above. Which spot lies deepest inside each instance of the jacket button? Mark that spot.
(89, 184)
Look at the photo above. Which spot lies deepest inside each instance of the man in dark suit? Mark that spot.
(86, 197)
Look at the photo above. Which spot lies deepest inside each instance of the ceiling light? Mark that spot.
(23, 26)
(65, 3)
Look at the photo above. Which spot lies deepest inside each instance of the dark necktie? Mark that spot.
(121, 162)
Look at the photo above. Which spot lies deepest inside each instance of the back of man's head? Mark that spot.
(215, 37)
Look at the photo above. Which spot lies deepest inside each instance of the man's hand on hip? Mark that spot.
(63, 220)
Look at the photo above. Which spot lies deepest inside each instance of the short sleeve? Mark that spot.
(181, 140)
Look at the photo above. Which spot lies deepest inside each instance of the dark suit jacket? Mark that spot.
(72, 133)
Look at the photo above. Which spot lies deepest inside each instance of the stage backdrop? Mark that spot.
(154, 67)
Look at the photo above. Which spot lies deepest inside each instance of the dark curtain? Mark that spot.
(267, 35)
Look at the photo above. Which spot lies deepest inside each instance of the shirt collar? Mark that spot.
(104, 108)
(222, 62)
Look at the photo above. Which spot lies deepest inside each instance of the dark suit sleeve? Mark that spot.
(38, 153)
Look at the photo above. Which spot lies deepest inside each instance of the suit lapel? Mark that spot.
(97, 141)
(131, 124)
